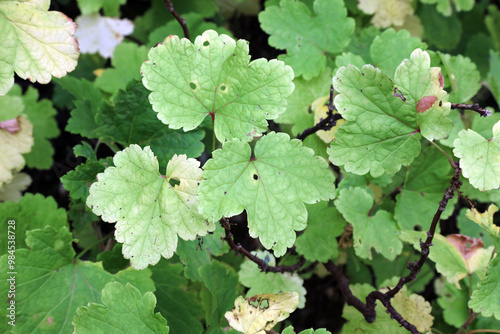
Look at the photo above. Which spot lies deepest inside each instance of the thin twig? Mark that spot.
(475, 107)
(326, 123)
(179, 19)
(239, 249)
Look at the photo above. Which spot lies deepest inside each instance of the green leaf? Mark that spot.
(88, 100)
(306, 37)
(221, 282)
(444, 6)
(492, 22)
(260, 282)
(449, 261)
(149, 212)
(36, 43)
(52, 284)
(78, 181)
(176, 302)
(130, 120)
(479, 158)
(440, 31)
(463, 76)
(391, 47)
(485, 298)
(197, 253)
(453, 301)
(10, 107)
(33, 211)
(425, 183)
(361, 43)
(269, 185)
(213, 77)
(382, 129)
(378, 232)
(319, 240)
(290, 330)
(493, 81)
(113, 261)
(123, 309)
(126, 63)
(111, 7)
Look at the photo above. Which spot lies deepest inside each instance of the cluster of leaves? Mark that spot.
(374, 93)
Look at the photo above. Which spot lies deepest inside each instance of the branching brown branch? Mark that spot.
(368, 309)
(181, 20)
(326, 123)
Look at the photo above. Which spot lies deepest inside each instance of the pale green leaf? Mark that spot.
(13, 145)
(41, 114)
(479, 158)
(149, 212)
(307, 37)
(36, 43)
(485, 299)
(379, 232)
(12, 190)
(10, 107)
(260, 282)
(123, 309)
(213, 77)
(383, 119)
(272, 185)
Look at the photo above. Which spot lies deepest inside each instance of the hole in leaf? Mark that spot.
(174, 182)
(206, 43)
(192, 85)
(255, 177)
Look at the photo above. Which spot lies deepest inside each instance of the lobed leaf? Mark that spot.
(123, 309)
(148, 210)
(214, 77)
(306, 37)
(36, 43)
(269, 186)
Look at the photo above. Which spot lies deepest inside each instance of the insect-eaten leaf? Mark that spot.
(261, 313)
